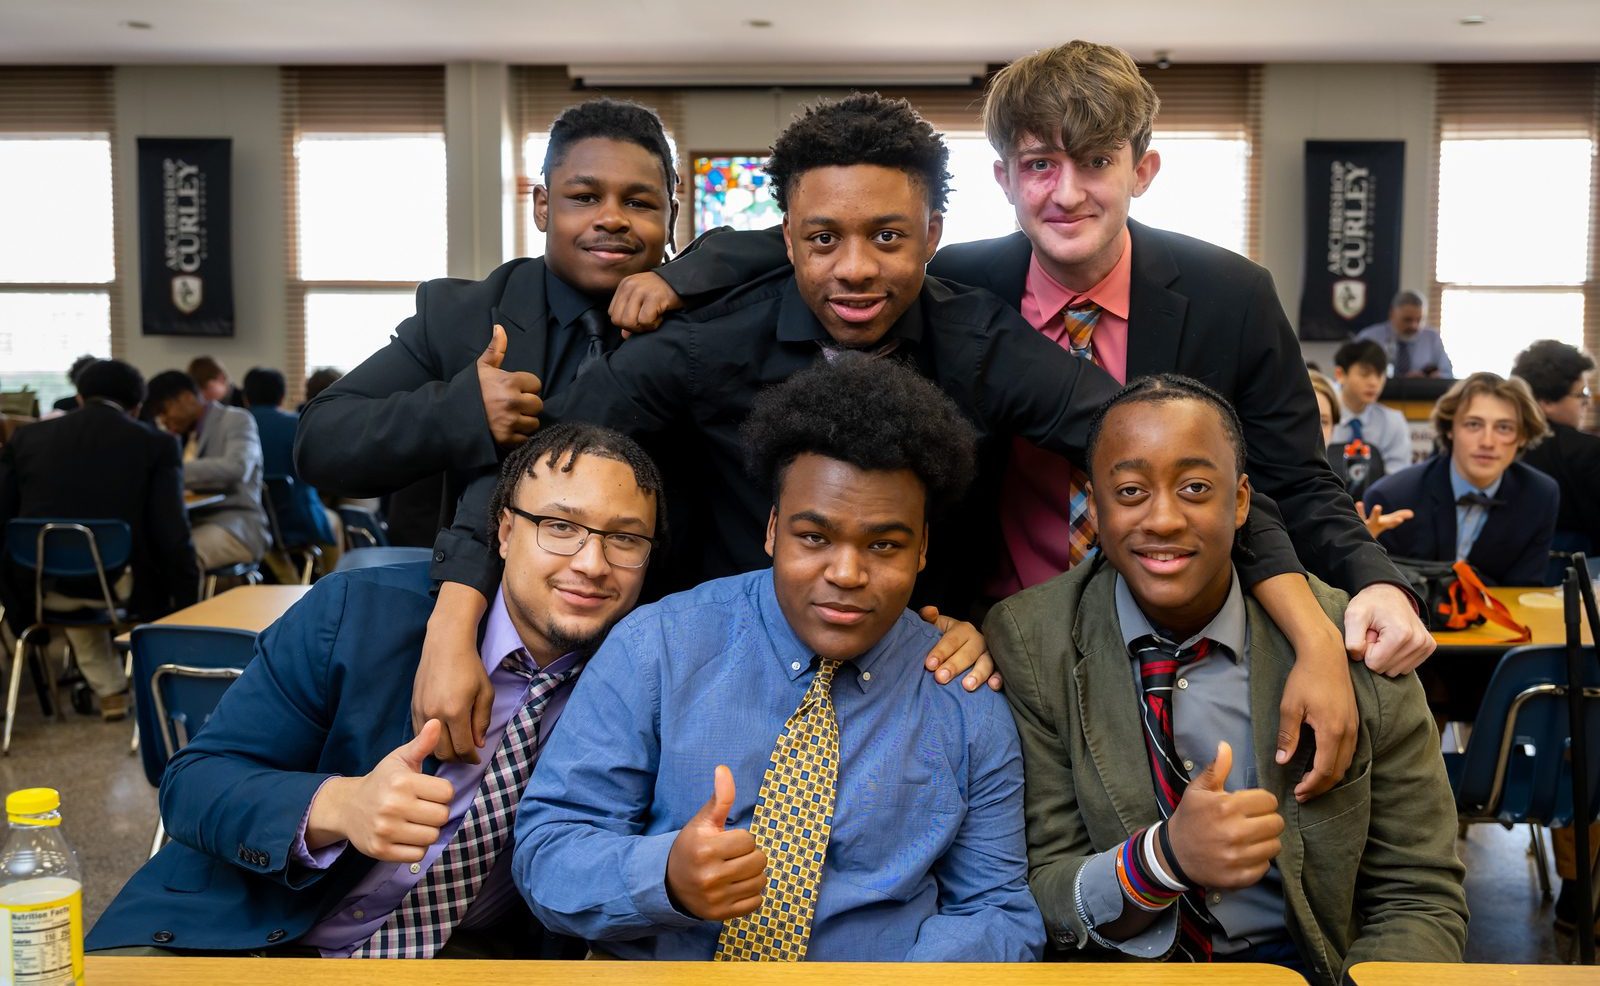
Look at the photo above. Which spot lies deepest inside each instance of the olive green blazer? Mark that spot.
(1369, 869)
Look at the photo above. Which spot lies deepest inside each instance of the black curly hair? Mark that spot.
(612, 119)
(1550, 368)
(558, 447)
(1166, 388)
(875, 414)
(862, 128)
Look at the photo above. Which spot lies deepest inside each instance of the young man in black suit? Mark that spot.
(1558, 375)
(100, 462)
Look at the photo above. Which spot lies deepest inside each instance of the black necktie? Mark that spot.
(1476, 499)
(595, 327)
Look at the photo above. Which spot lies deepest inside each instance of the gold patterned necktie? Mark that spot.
(793, 817)
(1080, 320)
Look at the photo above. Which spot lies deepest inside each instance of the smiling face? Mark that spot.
(1485, 439)
(860, 238)
(1074, 208)
(846, 546)
(1167, 499)
(605, 212)
(564, 603)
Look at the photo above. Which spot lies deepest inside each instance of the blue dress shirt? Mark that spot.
(1469, 520)
(926, 860)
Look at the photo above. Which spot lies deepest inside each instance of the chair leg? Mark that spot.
(160, 838)
(43, 680)
(210, 587)
(1541, 861)
(11, 693)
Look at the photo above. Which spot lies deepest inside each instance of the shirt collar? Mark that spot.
(1460, 487)
(500, 640)
(565, 302)
(1111, 294)
(798, 323)
(793, 656)
(1227, 628)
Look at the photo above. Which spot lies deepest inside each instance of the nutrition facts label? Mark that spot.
(40, 945)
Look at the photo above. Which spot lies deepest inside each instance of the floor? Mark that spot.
(109, 815)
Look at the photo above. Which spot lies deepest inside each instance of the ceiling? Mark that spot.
(832, 31)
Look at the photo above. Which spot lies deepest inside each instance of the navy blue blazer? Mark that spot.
(1515, 544)
(328, 692)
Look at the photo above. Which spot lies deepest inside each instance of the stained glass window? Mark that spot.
(732, 190)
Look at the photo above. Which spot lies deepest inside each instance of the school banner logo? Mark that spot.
(186, 236)
(1352, 250)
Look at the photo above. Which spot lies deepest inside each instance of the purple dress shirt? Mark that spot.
(368, 905)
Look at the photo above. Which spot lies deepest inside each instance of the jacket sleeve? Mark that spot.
(1409, 901)
(1058, 842)
(239, 790)
(241, 455)
(1264, 549)
(167, 527)
(1534, 560)
(642, 388)
(397, 418)
(461, 552)
(723, 259)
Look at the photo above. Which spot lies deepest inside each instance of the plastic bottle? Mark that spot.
(41, 895)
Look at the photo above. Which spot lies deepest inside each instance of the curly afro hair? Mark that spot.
(862, 128)
(1550, 368)
(873, 413)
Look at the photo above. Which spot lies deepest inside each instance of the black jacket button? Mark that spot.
(438, 556)
(276, 936)
(161, 937)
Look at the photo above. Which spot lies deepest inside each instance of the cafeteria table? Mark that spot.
(1440, 974)
(1457, 675)
(248, 607)
(119, 971)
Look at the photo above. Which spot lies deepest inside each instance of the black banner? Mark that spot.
(1353, 200)
(186, 236)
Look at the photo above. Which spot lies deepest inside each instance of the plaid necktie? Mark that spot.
(422, 923)
(1080, 322)
(1159, 661)
(793, 817)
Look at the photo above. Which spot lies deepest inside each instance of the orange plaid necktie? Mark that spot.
(1080, 322)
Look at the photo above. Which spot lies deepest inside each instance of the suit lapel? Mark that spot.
(209, 430)
(1008, 268)
(1500, 528)
(524, 313)
(1155, 311)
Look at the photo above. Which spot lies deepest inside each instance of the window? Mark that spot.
(1507, 272)
(367, 207)
(58, 271)
(977, 208)
(1202, 189)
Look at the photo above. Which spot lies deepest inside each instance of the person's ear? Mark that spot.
(922, 555)
(541, 207)
(935, 231)
(1241, 502)
(788, 242)
(672, 224)
(1145, 172)
(1002, 177)
(506, 518)
(1094, 515)
(772, 530)
(1338, 374)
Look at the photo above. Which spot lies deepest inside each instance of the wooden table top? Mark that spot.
(1439, 974)
(248, 607)
(1539, 609)
(192, 501)
(118, 971)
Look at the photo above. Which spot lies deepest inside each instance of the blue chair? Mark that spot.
(363, 527)
(301, 555)
(1516, 767)
(375, 557)
(56, 549)
(179, 675)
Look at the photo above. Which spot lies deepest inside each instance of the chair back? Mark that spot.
(64, 548)
(179, 675)
(375, 557)
(363, 527)
(1517, 767)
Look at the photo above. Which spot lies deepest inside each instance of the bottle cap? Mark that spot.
(32, 801)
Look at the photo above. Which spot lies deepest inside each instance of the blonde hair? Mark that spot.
(1324, 388)
(1531, 426)
(1077, 97)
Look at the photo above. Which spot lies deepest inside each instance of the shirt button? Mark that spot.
(795, 666)
(866, 676)
(416, 867)
(1188, 765)
(1183, 682)
(358, 914)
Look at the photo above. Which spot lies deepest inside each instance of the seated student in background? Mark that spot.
(1145, 687)
(70, 402)
(1360, 368)
(759, 768)
(215, 385)
(1473, 499)
(221, 454)
(301, 516)
(1345, 457)
(1412, 349)
(308, 819)
(101, 462)
(1558, 375)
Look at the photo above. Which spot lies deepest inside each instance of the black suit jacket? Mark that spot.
(1513, 548)
(1210, 314)
(1572, 459)
(98, 463)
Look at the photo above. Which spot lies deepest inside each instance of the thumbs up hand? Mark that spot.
(510, 400)
(714, 872)
(392, 814)
(1224, 839)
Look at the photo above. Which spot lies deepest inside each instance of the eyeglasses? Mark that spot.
(561, 536)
